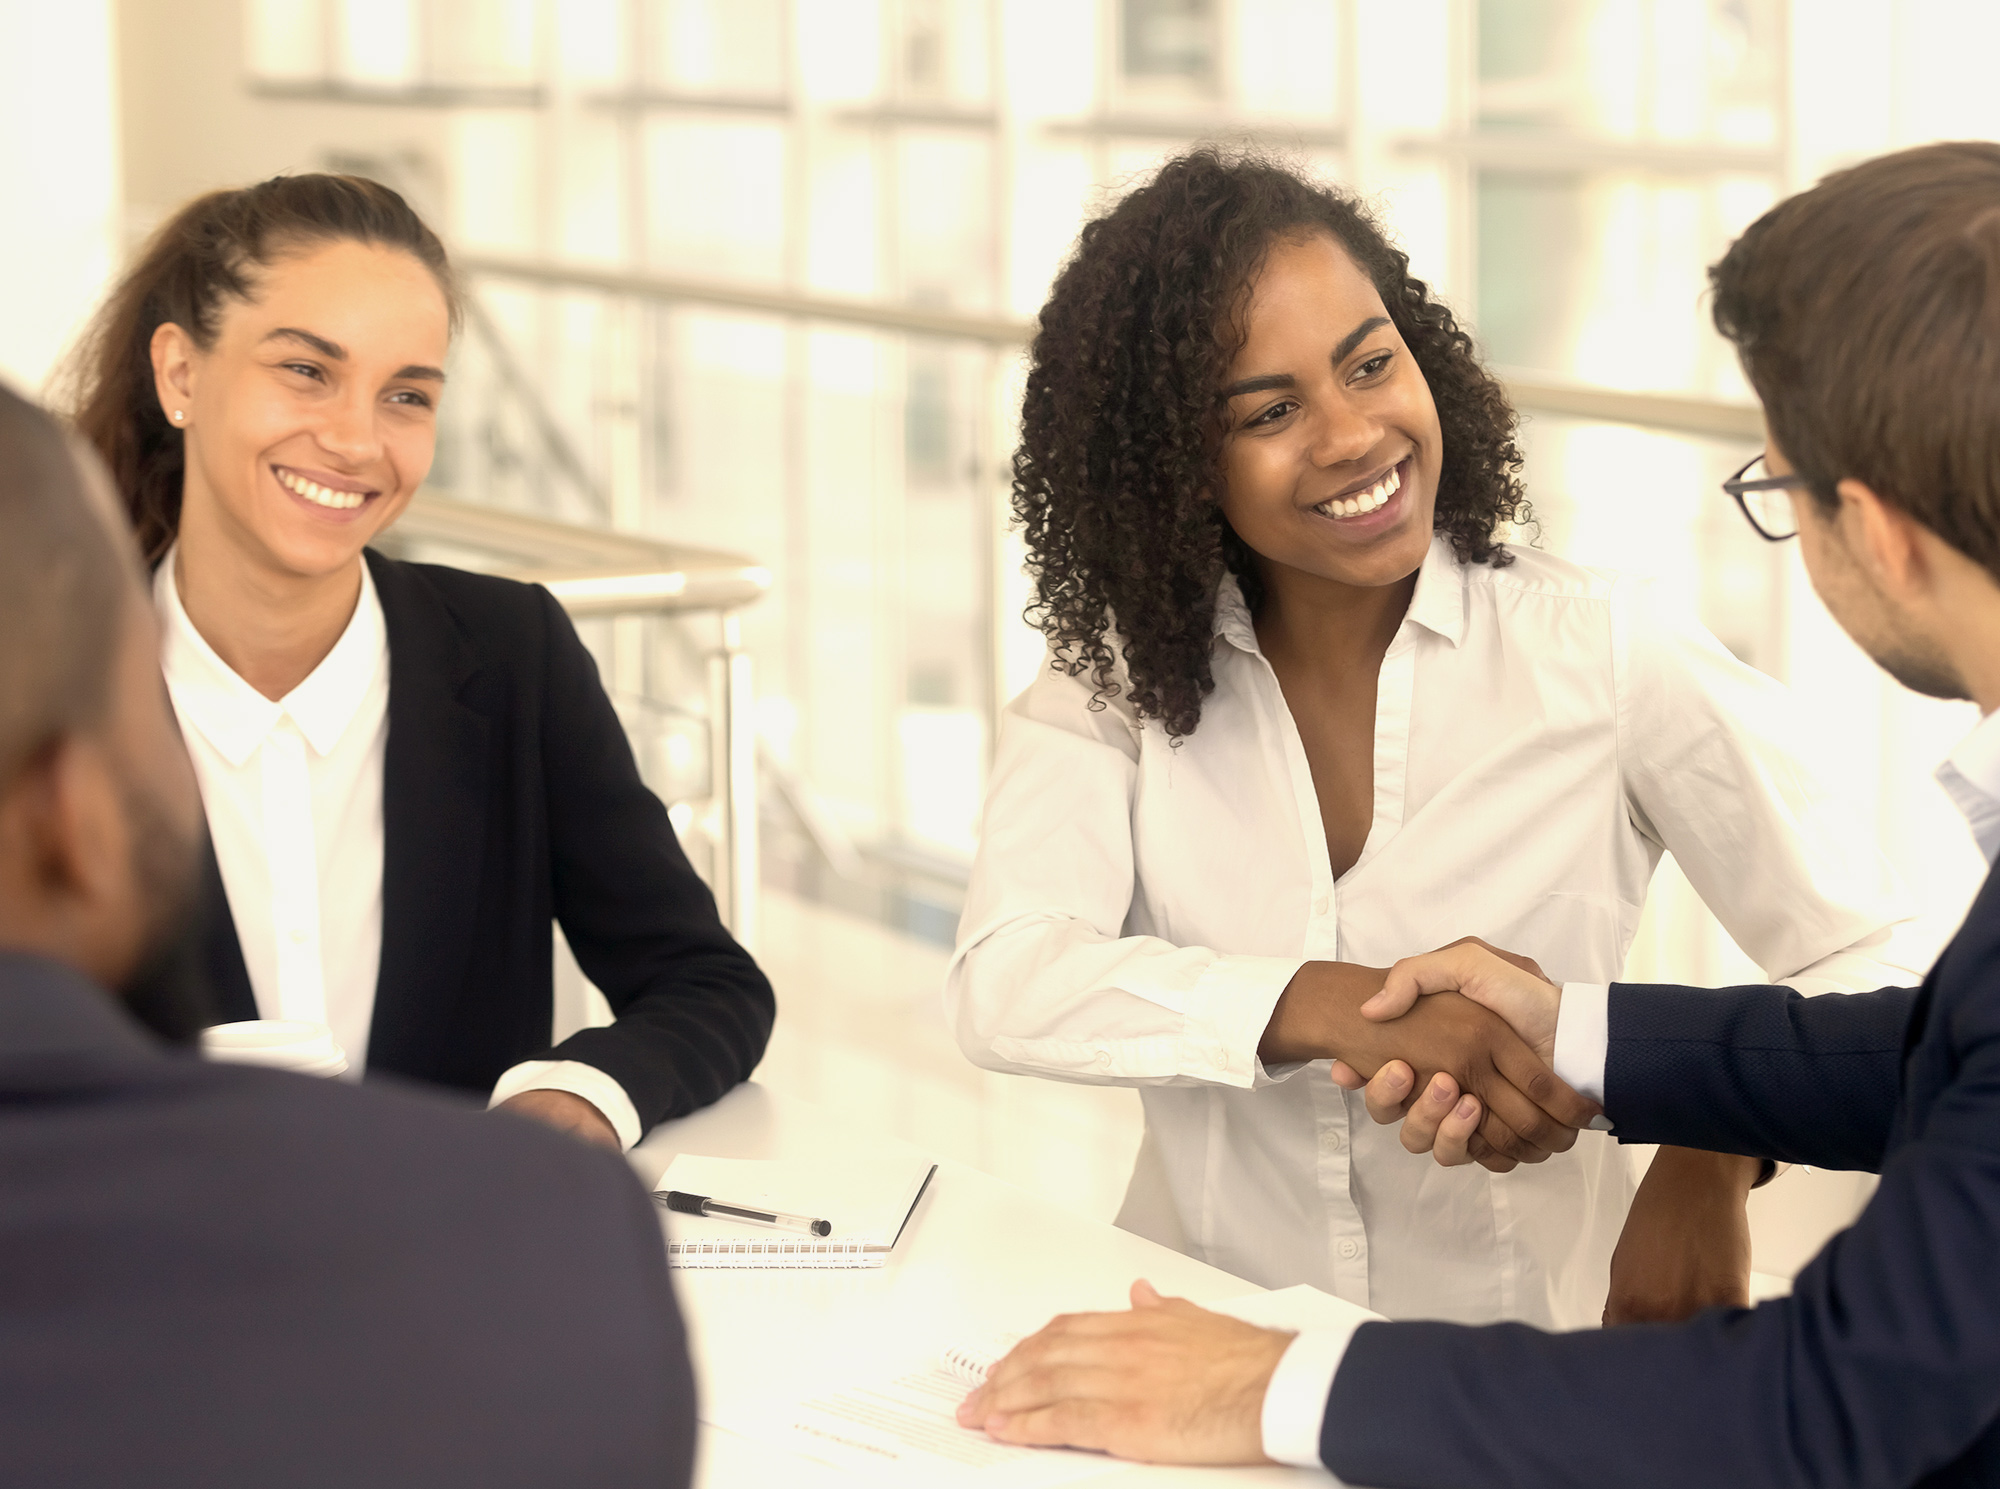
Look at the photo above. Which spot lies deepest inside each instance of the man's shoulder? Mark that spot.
(295, 1154)
(403, 1128)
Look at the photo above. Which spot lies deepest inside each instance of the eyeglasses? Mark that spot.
(1766, 500)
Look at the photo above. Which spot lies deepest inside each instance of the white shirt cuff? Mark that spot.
(1295, 1400)
(1228, 1010)
(1583, 1037)
(579, 1079)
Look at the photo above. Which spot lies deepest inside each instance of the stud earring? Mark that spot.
(178, 416)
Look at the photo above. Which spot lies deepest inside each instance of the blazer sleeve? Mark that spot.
(1763, 1071)
(1882, 1367)
(693, 1011)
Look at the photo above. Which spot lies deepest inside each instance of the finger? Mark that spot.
(1387, 1096)
(1347, 1077)
(1514, 1124)
(1145, 1295)
(1456, 1132)
(1489, 1158)
(1496, 1137)
(1061, 1424)
(1541, 1085)
(1427, 1113)
(972, 1410)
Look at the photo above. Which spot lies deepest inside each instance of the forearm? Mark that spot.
(1318, 1017)
(1055, 996)
(689, 1034)
(1882, 1366)
(1759, 1071)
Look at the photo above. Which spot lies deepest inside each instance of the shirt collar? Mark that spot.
(1970, 776)
(1438, 605)
(235, 717)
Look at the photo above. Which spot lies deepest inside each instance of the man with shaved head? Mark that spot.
(219, 1275)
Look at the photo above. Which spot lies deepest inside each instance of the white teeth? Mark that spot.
(318, 495)
(1372, 500)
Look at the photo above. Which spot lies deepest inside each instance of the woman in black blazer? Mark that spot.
(395, 756)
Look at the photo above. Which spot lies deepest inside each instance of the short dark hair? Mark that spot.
(204, 254)
(1118, 454)
(1866, 312)
(64, 586)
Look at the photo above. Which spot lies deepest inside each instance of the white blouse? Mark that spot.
(1542, 734)
(293, 794)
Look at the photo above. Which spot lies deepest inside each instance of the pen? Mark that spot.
(700, 1204)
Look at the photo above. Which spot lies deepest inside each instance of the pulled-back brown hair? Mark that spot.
(1118, 452)
(208, 252)
(1866, 312)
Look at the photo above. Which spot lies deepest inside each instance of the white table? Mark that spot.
(979, 1256)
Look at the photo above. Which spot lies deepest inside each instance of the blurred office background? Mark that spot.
(756, 275)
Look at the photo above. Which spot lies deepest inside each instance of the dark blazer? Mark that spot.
(213, 1276)
(1882, 1369)
(510, 800)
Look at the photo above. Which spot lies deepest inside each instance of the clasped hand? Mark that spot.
(1445, 1109)
(1471, 1028)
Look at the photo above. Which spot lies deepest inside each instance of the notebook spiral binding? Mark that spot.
(971, 1362)
(772, 1253)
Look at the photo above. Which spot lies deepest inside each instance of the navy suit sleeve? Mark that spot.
(693, 1010)
(1761, 1071)
(1881, 1368)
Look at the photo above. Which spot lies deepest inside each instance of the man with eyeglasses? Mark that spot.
(1867, 315)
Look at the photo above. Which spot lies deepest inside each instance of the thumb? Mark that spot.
(1145, 1295)
(1434, 972)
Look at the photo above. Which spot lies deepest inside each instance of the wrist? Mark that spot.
(1318, 1016)
(1726, 1174)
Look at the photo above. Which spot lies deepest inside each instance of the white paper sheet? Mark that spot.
(905, 1430)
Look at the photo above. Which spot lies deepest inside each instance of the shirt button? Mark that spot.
(1330, 1140)
(298, 936)
(1322, 903)
(1102, 1060)
(1348, 1249)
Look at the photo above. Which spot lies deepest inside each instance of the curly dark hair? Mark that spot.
(1120, 419)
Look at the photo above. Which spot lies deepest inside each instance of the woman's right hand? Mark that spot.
(1445, 1120)
(1527, 1113)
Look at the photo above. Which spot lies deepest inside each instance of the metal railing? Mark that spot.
(1531, 392)
(599, 574)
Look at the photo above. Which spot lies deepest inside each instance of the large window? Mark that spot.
(756, 274)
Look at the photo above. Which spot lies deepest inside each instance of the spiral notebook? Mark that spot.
(867, 1198)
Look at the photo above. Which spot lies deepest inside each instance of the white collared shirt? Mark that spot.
(293, 794)
(1541, 733)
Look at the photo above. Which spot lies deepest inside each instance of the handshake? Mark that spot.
(1458, 1045)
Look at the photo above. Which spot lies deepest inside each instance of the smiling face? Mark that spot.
(311, 419)
(1331, 447)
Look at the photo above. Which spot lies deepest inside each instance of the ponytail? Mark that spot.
(205, 254)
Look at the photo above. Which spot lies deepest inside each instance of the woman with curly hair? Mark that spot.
(1306, 713)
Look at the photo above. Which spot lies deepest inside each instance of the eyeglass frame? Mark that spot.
(1736, 486)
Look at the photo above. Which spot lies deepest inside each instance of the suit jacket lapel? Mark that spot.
(434, 789)
(228, 975)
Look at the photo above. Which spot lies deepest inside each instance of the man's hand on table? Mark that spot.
(1370, 1021)
(1442, 1113)
(1165, 1383)
(1686, 1242)
(567, 1113)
